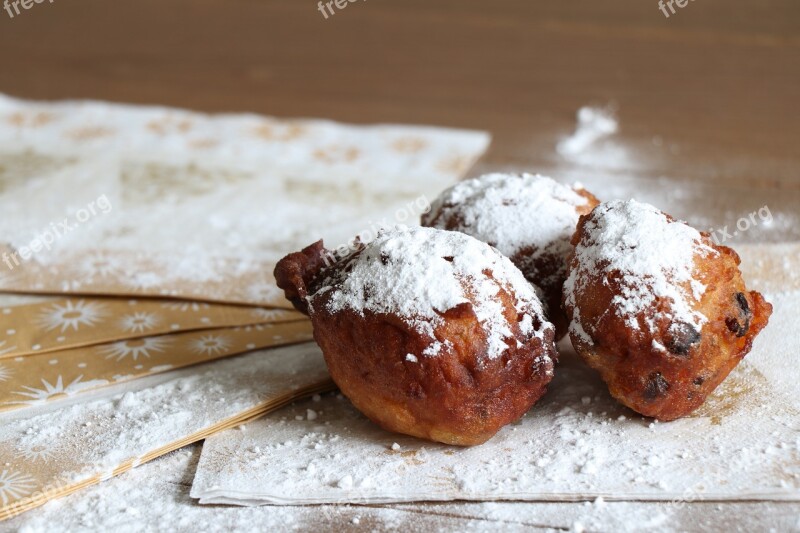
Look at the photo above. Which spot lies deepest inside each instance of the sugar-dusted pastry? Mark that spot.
(528, 218)
(429, 333)
(657, 308)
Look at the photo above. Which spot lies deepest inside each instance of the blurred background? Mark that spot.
(705, 94)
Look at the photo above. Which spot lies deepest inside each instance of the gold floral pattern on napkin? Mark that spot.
(77, 322)
(37, 379)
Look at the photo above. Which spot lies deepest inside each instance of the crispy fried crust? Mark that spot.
(295, 273)
(671, 385)
(457, 396)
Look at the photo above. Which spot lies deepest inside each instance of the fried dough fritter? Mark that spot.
(658, 308)
(429, 333)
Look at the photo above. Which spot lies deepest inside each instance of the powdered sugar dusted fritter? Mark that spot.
(418, 274)
(650, 256)
(657, 308)
(514, 213)
(431, 333)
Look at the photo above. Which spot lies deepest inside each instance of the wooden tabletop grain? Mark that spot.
(709, 93)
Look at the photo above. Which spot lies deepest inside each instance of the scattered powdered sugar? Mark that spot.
(420, 273)
(155, 497)
(753, 442)
(653, 256)
(593, 124)
(748, 453)
(512, 212)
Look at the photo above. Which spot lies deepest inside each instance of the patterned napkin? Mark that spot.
(110, 199)
(35, 380)
(58, 349)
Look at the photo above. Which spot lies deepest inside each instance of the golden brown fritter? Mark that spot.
(429, 333)
(528, 218)
(657, 308)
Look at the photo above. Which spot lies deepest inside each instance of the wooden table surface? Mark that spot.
(709, 94)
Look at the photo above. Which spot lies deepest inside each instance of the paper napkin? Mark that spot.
(576, 444)
(199, 206)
